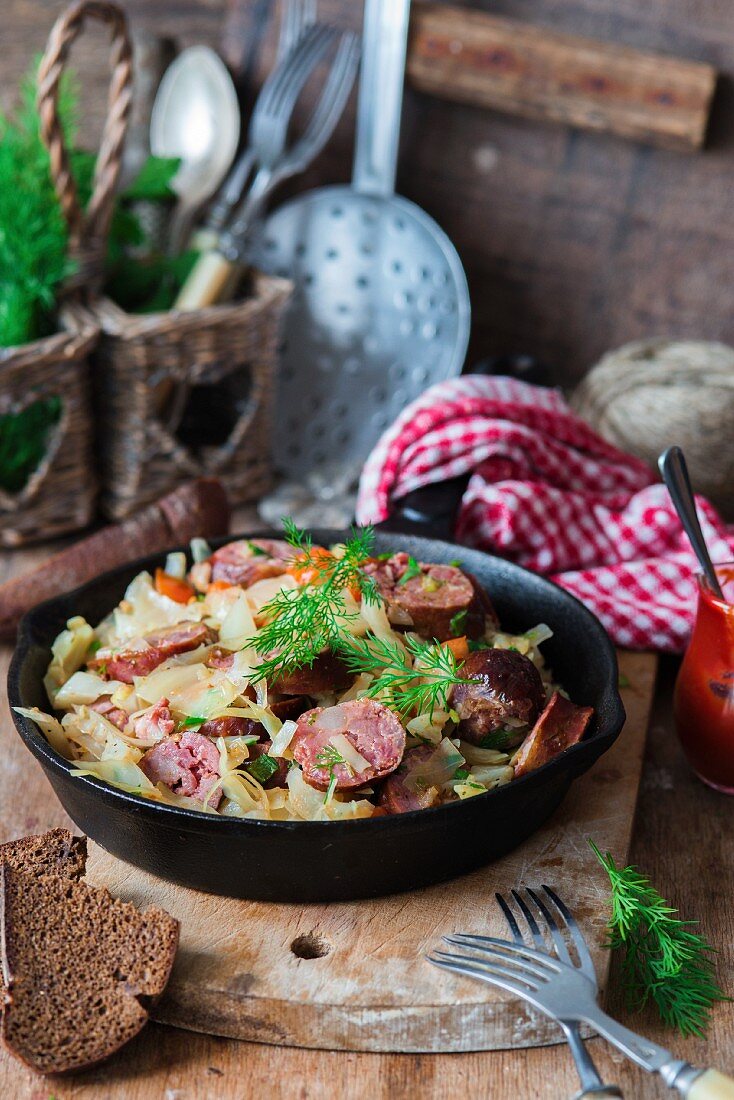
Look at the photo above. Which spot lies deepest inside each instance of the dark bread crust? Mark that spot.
(81, 968)
(56, 852)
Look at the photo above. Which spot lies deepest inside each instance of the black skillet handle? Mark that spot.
(432, 510)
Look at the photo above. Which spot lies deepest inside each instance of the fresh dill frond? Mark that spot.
(329, 757)
(663, 960)
(300, 623)
(422, 687)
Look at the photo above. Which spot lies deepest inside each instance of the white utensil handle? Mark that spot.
(379, 108)
(711, 1085)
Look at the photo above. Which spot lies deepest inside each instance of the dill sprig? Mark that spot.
(300, 623)
(663, 961)
(329, 757)
(422, 687)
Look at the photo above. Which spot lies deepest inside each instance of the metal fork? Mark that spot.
(296, 17)
(591, 1082)
(215, 272)
(305, 149)
(569, 996)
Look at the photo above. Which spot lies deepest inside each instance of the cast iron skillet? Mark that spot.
(333, 861)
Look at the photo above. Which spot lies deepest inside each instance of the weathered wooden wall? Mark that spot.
(574, 242)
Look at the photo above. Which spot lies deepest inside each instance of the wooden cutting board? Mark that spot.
(353, 976)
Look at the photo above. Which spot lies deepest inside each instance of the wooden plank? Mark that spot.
(520, 68)
(237, 973)
(682, 839)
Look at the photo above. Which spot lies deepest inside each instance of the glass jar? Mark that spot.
(704, 690)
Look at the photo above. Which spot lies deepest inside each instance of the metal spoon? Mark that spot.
(674, 472)
(196, 117)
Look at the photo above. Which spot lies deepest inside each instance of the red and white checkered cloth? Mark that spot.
(547, 492)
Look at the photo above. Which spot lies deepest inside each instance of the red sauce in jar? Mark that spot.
(704, 690)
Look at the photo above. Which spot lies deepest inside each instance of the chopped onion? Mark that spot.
(303, 801)
(281, 741)
(351, 756)
(200, 550)
(238, 626)
(358, 688)
(175, 565)
(165, 683)
(539, 634)
(491, 776)
(468, 790)
(375, 616)
(262, 592)
(427, 727)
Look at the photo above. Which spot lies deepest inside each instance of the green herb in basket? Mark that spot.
(663, 959)
(24, 437)
(33, 235)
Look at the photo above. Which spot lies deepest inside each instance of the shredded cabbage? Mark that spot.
(51, 729)
(84, 687)
(68, 653)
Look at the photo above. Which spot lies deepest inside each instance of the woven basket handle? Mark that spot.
(87, 228)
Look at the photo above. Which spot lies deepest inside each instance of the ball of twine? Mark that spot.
(651, 394)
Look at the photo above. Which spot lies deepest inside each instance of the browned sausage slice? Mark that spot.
(249, 560)
(327, 673)
(152, 651)
(232, 725)
(374, 731)
(509, 686)
(560, 725)
(438, 601)
(396, 797)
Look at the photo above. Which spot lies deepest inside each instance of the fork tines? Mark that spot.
(514, 964)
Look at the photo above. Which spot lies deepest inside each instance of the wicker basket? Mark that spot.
(59, 495)
(145, 364)
(233, 347)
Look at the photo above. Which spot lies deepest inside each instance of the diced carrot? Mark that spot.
(173, 587)
(459, 647)
(218, 586)
(305, 569)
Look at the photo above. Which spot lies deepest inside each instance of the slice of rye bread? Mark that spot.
(56, 852)
(81, 969)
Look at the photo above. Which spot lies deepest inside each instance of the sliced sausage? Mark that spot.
(437, 601)
(373, 729)
(155, 724)
(189, 766)
(116, 715)
(327, 673)
(232, 725)
(249, 560)
(560, 725)
(396, 797)
(509, 686)
(152, 650)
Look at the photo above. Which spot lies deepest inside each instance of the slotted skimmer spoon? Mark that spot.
(381, 305)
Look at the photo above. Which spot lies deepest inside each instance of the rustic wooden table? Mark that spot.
(683, 839)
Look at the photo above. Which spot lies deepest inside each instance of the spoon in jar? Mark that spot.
(674, 472)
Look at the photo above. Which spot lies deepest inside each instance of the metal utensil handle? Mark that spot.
(88, 229)
(674, 471)
(379, 108)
